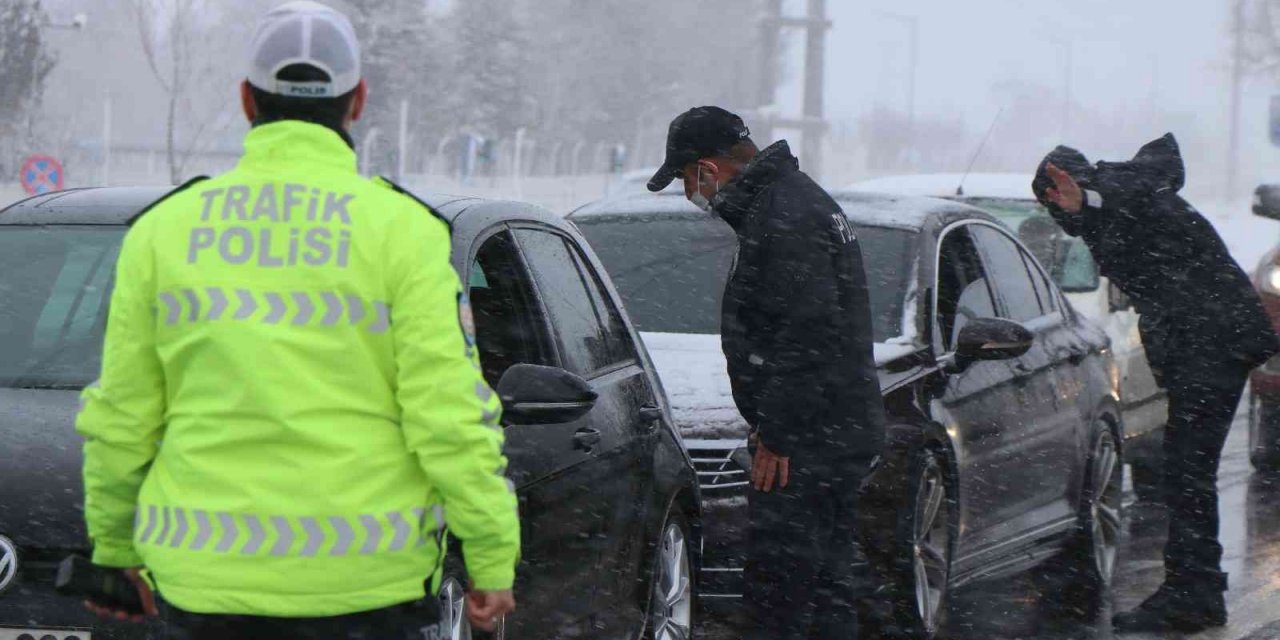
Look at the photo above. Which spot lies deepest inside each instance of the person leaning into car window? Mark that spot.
(796, 332)
(290, 401)
(1203, 328)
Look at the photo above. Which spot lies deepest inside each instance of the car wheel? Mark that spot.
(671, 600)
(453, 617)
(1264, 435)
(922, 568)
(1091, 555)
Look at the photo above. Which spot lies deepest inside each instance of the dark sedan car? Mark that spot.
(609, 504)
(1002, 399)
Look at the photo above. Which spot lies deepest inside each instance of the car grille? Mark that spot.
(717, 471)
(39, 566)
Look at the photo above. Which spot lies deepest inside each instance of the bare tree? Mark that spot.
(185, 43)
(24, 64)
(1261, 33)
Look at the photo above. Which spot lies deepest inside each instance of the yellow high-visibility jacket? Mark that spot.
(290, 409)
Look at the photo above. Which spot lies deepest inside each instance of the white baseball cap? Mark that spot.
(310, 33)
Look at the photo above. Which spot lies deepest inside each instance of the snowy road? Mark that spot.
(1014, 608)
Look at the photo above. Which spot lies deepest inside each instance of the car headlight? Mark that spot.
(1270, 280)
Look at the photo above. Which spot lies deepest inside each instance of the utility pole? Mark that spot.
(814, 65)
(913, 30)
(1068, 69)
(1237, 77)
(810, 122)
(770, 34)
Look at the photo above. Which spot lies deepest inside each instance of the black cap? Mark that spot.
(700, 132)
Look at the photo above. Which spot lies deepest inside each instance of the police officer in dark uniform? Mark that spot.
(796, 332)
(1203, 328)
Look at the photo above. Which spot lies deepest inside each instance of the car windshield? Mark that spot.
(1067, 259)
(55, 283)
(670, 269)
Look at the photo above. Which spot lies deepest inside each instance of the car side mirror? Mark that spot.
(1266, 201)
(534, 394)
(992, 339)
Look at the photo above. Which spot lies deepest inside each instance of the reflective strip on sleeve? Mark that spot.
(294, 308)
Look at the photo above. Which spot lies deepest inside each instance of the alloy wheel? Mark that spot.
(931, 545)
(453, 618)
(1104, 506)
(672, 590)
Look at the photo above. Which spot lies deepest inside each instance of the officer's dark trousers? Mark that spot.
(414, 621)
(800, 578)
(1203, 397)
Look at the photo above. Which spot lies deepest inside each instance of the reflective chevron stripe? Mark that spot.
(295, 308)
(278, 535)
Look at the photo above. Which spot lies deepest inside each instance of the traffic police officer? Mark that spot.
(290, 409)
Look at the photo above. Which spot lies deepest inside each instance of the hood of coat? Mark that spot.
(734, 201)
(1157, 167)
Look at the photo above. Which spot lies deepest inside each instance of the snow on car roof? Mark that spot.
(867, 209)
(1015, 186)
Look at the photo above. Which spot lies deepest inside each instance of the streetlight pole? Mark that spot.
(1237, 77)
(1068, 69)
(913, 29)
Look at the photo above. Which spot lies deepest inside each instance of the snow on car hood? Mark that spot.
(694, 372)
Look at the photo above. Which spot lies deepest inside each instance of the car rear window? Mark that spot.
(55, 283)
(671, 268)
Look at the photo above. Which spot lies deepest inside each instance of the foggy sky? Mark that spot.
(1169, 57)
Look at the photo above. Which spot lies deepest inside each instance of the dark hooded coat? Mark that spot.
(1196, 304)
(796, 324)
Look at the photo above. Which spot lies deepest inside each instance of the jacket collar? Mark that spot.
(734, 202)
(297, 141)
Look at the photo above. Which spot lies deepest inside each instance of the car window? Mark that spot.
(1078, 273)
(592, 338)
(55, 284)
(1013, 286)
(618, 342)
(964, 292)
(510, 328)
(1067, 259)
(670, 269)
(1044, 291)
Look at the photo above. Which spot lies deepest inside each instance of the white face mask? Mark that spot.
(700, 201)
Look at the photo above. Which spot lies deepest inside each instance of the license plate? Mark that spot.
(45, 633)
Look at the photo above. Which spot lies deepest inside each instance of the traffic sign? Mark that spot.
(41, 174)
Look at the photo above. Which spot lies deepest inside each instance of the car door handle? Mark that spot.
(650, 414)
(586, 439)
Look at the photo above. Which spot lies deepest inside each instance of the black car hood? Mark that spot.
(41, 491)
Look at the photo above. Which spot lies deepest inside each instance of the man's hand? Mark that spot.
(144, 594)
(767, 467)
(1065, 192)
(485, 608)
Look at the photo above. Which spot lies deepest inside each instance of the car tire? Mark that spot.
(1090, 557)
(919, 578)
(673, 589)
(1264, 435)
